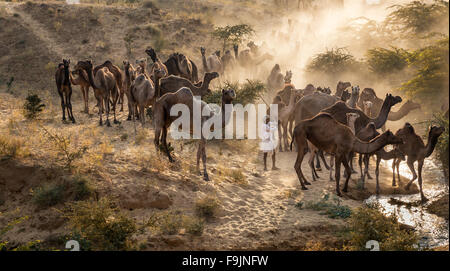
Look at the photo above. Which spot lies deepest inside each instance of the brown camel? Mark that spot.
(339, 110)
(105, 87)
(163, 119)
(130, 75)
(173, 83)
(368, 94)
(180, 65)
(115, 70)
(341, 86)
(415, 150)
(212, 63)
(328, 135)
(82, 81)
(144, 92)
(142, 68)
(157, 64)
(285, 113)
(247, 58)
(62, 78)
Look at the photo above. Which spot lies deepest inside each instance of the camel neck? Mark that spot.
(381, 119)
(403, 111)
(431, 144)
(369, 147)
(91, 77)
(205, 64)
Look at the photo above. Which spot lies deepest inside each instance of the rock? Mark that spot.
(161, 200)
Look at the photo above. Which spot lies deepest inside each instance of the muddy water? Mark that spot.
(432, 229)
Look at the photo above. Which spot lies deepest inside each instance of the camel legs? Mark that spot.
(323, 159)
(393, 172)
(285, 137)
(130, 106)
(377, 173)
(348, 170)
(419, 169)
(301, 150)
(312, 155)
(85, 92)
(100, 110)
(69, 104)
(337, 173)
(142, 116)
(202, 150)
(410, 164)
(164, 142)
(397, 164)
(63, 106)
(106, 105)
(331, 167)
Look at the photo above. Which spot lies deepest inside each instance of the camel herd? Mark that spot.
(314, 119)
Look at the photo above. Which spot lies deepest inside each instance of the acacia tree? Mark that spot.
(234, 34)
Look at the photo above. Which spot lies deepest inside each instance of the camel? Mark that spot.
(163, 119)
(130, 75)
(105, 87)
(368, 94)
(325, 90)
(82, 81)
(173, 83)
(212, 63)
(180, 65)
(354, 97)
(118, 77)
(339, 110)
(415, 150)
(157, 64)
(367, 108)
(341, 86)
(275, 81)
(313, 150)
(228, 62)
(284, 116)
(62, 78)
(142, 68)
(328, 135)
(247, 58)
(144, 92)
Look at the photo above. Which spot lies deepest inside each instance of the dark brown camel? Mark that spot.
(180, 65)
(330, 136)
(415, 150)
(62, 78)
(173, 83)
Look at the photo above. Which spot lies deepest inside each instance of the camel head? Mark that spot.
(367, 105)
(228, 95)
(412, 105)
(159, 73)
(391, 138)
(66, 63)
(84, 65)
(202, 50)
(327, 90)
(342, 86)
(142, 62)
(436, 131)
(276, 69)
(351, 117)
(288, 77)
(368, 94)
(407, 129)
(235, 47)
(210, 76)
(345, 95)
(355, 91)
(393, 100)
(217, 53)
(151, 52)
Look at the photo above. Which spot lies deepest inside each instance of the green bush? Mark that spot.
(246, 93)
(385, 61)
(33, 106)
(441, 149)
(332, 61)
(331, 209)
(368, 223)
(101, 224)
(9, 147)
(194, 225)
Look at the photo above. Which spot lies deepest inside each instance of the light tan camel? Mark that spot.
(118, 76)
(247, 58)
(163, 119)
(82, 80)
(328, 135)
(285, 113)
(157, 64)
(275, 80)
(144, 93)
(105, 87)
(212, 63)
(367, 108)
(415, 150)
(173, 83)
(62, 79)
(354, 97)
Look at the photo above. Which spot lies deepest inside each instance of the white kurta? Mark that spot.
(269, 141)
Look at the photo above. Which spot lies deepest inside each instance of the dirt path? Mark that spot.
(39, 30)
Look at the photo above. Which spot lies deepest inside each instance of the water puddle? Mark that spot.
(434, 230)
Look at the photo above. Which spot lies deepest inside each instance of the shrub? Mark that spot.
(385, 61)
(10, 147)
(102, 224)
(33, 106)
(207, 207)
(232, 34)
(49, 195)
(237, 175)
(332, 61)
(194, 225)
(442, 151)
(369, 223)
(169, 222)
(246, 93)
(331, 209)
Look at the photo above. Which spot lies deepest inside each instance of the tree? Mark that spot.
(385, 61)
(235, 34)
